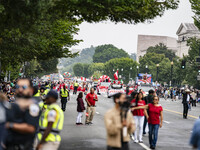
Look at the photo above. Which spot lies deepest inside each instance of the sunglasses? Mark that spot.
(23, 87)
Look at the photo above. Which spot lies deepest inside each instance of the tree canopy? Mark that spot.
(104, 53)
(162, 49)
(121, 63)
(126, 11)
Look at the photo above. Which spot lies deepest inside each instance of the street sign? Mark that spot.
(198, 77)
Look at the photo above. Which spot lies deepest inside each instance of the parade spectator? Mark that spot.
(91, 99)
(195, 137)
(193, 98)
(155, 119)
(138, 116)
(148, 99)
(166, 94)
(80, 108)
(118, 127)
(186, 102)
(3, 101)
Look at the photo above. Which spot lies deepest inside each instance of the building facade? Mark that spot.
(146, 41)
(185, 31)
(179, 46)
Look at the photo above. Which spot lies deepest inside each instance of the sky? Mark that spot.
(125, 35)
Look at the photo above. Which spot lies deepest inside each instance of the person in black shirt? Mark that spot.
(148, 99)
(22, 118)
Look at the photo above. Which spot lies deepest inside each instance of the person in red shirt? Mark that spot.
(91, 99)
(138, 116)
(155, 119)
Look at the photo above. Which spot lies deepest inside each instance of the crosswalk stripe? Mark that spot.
(144, 146)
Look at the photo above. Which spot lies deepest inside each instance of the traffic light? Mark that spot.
(183, 64)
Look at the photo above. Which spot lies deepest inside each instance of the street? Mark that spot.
(174, 135)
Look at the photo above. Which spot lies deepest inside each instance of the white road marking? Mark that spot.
(144, 146)
(166, 122)
(97, 113)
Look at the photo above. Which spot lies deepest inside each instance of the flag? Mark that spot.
(116, 75)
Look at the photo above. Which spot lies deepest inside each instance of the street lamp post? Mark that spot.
(146, 69)
(157, 72)
(130, 73)
(137, 70)
(172, 64)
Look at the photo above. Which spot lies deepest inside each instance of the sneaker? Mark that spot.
(141, 141)
(90, 123)
(87, 123)
(77, 123)
(80, 123)
(132, 137)
(136, 141)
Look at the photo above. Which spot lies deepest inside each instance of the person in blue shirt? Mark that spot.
(195, 137)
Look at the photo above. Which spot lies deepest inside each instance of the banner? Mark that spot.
(144, 78)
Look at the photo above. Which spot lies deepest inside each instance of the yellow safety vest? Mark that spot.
(76, 84)
(37, 94)
(46, 91)
(54, 135)
(64, 93)
(42, 106)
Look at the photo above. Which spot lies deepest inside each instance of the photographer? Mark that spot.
(119, 124)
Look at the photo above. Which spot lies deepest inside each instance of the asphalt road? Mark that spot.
(174, 135)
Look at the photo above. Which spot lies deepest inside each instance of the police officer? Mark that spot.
(75, 87)
(22, 118)
(36, 93)
(51, 123)
(64, 94)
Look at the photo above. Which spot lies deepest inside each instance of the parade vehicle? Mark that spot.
(145, 88)
(102, 88)
(114, 89)
(103, 84)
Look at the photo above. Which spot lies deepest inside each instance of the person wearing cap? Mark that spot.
(51, 123)
(186, 101)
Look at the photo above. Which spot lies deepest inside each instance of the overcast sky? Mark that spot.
(125, 36)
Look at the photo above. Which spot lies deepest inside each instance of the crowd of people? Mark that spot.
(30, 117)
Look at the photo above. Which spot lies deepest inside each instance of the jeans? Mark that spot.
(2, 134)
(144, 125)
(153, 134)
(63, 103)
(139, 121)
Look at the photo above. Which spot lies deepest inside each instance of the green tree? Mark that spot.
(121, 63)
(149, 59)
(85, 56)
(85, 70)
(127, 11)
(191, 66)
(133, 56)
(162, 49)
(95, 67)
(104, 53)
(78, 69)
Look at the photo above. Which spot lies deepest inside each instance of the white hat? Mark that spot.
(187, 90)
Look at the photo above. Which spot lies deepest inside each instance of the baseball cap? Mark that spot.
(53, 94)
